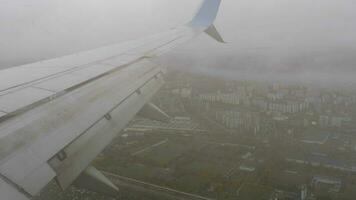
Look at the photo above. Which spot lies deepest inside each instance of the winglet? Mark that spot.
(212, 32)
(206, 17)
(206, 14)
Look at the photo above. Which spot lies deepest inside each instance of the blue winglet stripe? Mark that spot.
(206, 14)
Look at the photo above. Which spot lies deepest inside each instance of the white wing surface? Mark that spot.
(57, 115)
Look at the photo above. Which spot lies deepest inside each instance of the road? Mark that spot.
(150, 147)
(233, 144)
(145, 187)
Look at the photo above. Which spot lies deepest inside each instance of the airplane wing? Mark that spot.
(57, 115)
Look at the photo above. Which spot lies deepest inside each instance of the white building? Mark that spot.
(228, 98)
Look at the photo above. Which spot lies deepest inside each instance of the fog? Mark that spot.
(294, 40)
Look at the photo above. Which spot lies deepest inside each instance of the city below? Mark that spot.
(229, 139)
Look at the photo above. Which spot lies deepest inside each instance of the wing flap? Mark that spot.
(22, 98)
(15, 77)
(38, 179)
(2, 113)
(84, 149)
(19, 76)
(121, 60)
(10, 193)
(75, 78)
(34, 137)
(51, 81)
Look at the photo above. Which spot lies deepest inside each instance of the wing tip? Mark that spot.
(207, 13)
(214, 33)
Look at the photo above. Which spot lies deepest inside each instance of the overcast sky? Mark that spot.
(267, 38)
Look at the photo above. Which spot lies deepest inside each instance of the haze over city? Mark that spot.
(270, 39)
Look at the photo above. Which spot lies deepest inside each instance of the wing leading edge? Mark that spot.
(55, 120)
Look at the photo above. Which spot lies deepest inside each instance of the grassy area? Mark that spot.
(207, 168)
(185, 163)
(250, 191)
(163, 154)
